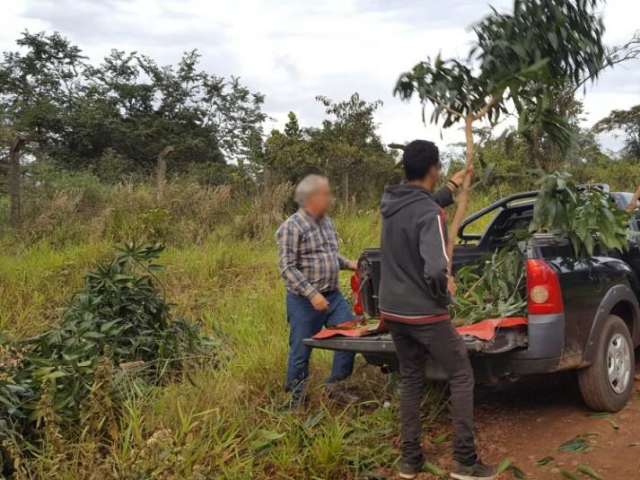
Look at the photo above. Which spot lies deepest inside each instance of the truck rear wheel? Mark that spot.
(607, 384)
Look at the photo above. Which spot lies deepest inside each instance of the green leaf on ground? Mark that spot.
(568, 475)
(614, 425)
(265, 439)
(313, 421)
(579, 444)
(545, 461)
(507, 465)
(504, 465)
(588, 471)
(434, 470)
(443, 437)
(600, 414)
(517, 473)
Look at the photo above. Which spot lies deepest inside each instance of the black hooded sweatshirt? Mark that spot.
(413, 279)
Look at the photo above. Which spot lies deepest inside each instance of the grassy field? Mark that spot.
(223, 422)
(226, 421)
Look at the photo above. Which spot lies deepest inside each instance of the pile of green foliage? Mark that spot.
(492, 288)
(585, 215)
(119, 321)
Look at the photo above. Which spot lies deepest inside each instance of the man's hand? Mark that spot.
(458, 177)
(633, 204)
(451, 286)
(352, 265)
(319, 302)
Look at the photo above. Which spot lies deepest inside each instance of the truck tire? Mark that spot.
(607, 384)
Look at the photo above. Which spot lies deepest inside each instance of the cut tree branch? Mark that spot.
(446, 107)
(463, 197)
(15, 181)
(495, 99)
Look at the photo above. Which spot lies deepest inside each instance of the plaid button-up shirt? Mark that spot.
(309, 258)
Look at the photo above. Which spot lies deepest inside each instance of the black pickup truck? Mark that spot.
(582, 315)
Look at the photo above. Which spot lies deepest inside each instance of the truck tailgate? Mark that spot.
(504, 340)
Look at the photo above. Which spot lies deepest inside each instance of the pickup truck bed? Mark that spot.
(593, 327)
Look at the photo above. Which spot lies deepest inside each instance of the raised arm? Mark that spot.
(444, 196)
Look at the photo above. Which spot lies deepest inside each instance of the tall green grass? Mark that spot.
(226, 422)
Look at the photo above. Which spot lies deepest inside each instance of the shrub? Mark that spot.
(118, 320)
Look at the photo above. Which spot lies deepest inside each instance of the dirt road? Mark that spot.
(529, 421)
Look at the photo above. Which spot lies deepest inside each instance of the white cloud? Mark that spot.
(292, 50)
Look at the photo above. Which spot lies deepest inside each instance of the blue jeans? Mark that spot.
(305, 322)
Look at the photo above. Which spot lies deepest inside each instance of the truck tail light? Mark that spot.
(543, 288)
(358, 309)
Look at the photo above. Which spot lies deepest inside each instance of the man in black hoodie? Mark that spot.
(415, 291)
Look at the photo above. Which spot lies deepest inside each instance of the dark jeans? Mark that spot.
(443, 344)
(305, 322)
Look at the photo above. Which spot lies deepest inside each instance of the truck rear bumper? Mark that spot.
(382, 344)
(512, 352)
(486, 356)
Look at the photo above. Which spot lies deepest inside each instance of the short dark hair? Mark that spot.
(418, 158)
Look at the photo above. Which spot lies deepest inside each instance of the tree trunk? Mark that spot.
(534, 148)
(463, 197)
(346, 190)
(14, 182)
(161, 171)
(267, 179)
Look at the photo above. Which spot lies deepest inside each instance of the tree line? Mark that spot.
(128, 117)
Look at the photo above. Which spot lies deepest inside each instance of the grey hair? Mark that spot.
(307, 186)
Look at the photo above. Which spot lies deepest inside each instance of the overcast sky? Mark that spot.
(293, 50)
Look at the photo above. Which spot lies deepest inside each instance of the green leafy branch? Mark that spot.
(586, 216)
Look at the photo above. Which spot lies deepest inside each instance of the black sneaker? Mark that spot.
(408, 472)
(477, 471)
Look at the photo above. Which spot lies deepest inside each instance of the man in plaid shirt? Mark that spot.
(310, 265)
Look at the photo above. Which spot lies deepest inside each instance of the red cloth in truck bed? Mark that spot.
(484, 330)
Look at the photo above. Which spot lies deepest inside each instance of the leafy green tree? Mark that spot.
(518, 58)
(36, 87)
(350, 145)
(138, 108)
(288, 156)
(536, 150)
(346, 148)
(292, 127)
(128, 107)
(629, 122)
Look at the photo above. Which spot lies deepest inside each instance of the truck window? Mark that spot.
(479, 226)
(506, 223)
